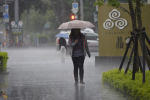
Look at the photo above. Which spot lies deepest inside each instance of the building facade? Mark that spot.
(114, 27)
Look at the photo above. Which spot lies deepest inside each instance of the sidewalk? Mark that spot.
(38, 74)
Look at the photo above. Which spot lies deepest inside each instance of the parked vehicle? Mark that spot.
(92, 39)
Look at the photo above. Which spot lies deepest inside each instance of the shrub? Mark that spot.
(42, 38)
(124, 82)
(3, 60)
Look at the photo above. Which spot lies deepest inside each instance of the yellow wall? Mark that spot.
(109, 38)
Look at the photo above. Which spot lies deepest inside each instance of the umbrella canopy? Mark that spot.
(62, 35)
(76, 24)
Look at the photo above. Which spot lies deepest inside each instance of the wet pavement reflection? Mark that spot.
(39, 74)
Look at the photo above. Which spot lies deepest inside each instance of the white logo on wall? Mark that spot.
(115, 15)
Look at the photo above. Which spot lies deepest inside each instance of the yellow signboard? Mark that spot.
(114, 28)
(16, 31)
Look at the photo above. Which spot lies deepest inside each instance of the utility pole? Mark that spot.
(16, 10)
(6, 24)
(81, 9)
(16, 16)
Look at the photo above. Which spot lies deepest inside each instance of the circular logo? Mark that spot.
(121, 23)
(115, 15)
(108, 24)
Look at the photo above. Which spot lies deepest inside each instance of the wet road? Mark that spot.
(39, 74)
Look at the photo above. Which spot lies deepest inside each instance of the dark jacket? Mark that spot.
(85, 46)
(62, 42)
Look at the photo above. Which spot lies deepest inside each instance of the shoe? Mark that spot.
(82, 82)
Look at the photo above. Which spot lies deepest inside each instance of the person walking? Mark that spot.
(62, 47)
(79, 48)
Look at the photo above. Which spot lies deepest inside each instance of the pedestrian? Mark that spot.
(79, 48)
(62, 47)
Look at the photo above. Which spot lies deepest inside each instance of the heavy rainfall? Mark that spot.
(38, 67)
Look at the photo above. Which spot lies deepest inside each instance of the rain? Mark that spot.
(35, 70)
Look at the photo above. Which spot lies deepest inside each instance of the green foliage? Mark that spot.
(99, 2)
(38, 4)
(50, 17)
(52, 35)
(33, 21)
(131, 63)
(88, 9)
(37, 21)
(3, 59)
(63, 12)
(37, 11)
(26, 5)
(32, 40)
(42, 38)
(114, 3)
(124, 82)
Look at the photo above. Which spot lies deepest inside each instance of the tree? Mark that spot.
(62, 10)
(33, 21)
(26, 5)
(135, 14)
(89, 9)
(56, 11)
(50, 16)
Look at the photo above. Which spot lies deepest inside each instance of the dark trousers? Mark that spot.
(78, 63)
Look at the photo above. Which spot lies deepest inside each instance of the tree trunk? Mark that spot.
(147, 57)
(136, 58)
(139, 20)
(133, 18)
